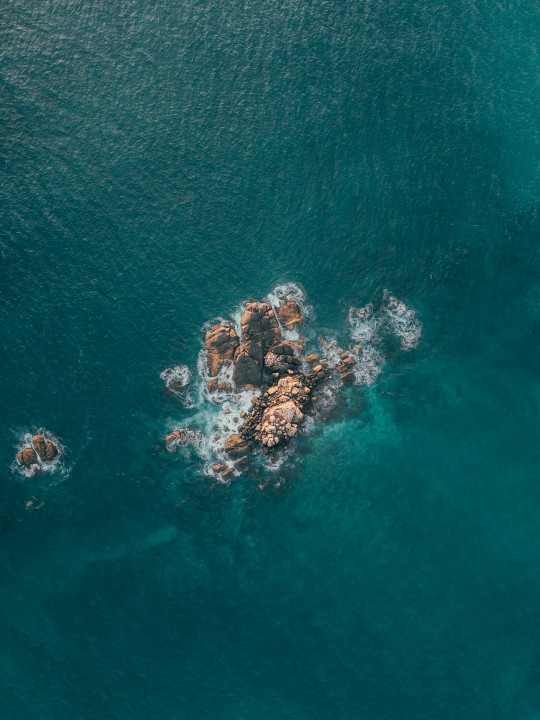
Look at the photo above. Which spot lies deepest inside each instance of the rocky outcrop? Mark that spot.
(181, 438)
(263, 361)
(40, 446)
(42, 450)
(247, 373)
(282, 358)
(260, 331)
(51, 451)
(237, 446)
(221, 343)
(278, 411)
(27, 458)
(290, 314)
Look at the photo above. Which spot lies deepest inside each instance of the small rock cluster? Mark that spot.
(179, 438)
(41, 448)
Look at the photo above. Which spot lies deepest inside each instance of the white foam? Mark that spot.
(283, 293)
(403, 321)
(176, 378)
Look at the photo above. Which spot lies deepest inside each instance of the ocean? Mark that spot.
(162, 163)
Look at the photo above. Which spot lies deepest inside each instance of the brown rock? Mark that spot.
(51, 451)
(247, 371)
(224, 387)
(227, 474)
(236, 446)
(212, 385)
(27, 457)
(313, 358)
(260, 330)
(40, 445)
(290, 314)
(219, 468)
(174, 437)
(221, 343)
(348, 378)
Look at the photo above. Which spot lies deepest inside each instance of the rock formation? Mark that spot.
(42, 449)
(27, 458)
(262, 360)
(180, 438)
(260, 331)
(290, 314)
(221, 344)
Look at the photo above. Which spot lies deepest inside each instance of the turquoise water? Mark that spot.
(163, 163)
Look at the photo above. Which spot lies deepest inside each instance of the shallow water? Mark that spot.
(163, 164)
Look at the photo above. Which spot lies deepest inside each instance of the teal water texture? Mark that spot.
(162, 162)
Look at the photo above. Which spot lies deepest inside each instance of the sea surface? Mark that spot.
(161, 164)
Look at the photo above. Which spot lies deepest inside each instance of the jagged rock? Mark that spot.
(290, 314)
(219, 468)
(349, 361)
(237, 446)
(51, 451)
(313, 358)
(221, 343)
(260, 330)
(280, 363)
(212, 385)
(227, 474)
(40, 445)
(348, 378)
(247, 371)
(224, 387)
(181, 438)
(46, 450)
(27, 457)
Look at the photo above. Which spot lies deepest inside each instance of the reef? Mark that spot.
(41, 451)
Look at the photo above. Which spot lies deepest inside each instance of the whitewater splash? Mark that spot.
(220, 408)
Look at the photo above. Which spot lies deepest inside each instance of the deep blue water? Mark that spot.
(163, 162)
